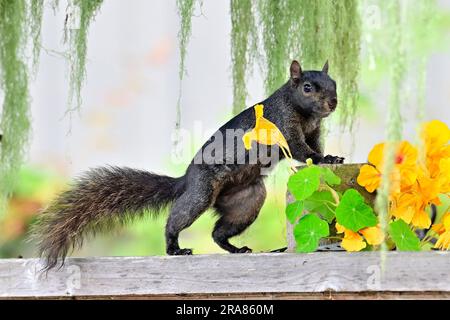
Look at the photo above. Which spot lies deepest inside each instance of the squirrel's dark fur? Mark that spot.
(106, 197)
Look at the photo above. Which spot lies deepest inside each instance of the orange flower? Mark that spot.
(404, 205)
(403, 175)
(369, 177)
(373, 235)
(435, 135)
(353, 241)
(443, 230)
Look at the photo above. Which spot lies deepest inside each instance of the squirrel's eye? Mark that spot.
(307, 87)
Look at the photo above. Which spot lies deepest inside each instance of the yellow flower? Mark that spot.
(443, 242)
(404, 205)
(406, 162)
(353, 241)
(266, 132)
(421, 219)
(404, 173)
(444, 175)
(443, 230)
(435, 135)
(373, 235)
(369, 177)
(370, 174)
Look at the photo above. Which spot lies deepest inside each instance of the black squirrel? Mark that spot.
(108, 196)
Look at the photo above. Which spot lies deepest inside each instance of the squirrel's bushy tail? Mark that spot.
(100, 199)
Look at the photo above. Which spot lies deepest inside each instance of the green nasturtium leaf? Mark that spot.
(321, 202)
(294, 210)
(330, 177)
(405, 239)
(303, 183)
(308, 232)
(353, 213)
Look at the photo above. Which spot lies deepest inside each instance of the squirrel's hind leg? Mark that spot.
(185, 210)
(238, 211)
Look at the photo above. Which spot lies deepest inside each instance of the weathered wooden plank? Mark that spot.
(322, 275)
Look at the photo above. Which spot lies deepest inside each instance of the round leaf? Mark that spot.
(304, 182)
(353, 213)
(330, 177)
(294, 210)
(404, 238)
(320, 202)
(308, 232)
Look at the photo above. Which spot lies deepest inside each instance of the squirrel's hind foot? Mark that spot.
(243, 250)
(180, 252)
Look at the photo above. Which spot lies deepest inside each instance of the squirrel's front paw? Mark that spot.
(316, 158)
(329, 159)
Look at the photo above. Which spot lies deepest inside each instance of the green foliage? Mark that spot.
(313, 189)
(404, 238)
(330, 177)
(15, 118)
(304, 182)
(353, 213)
(308, 232)
(76, 36)
(294, 210)
(305, 185)
(322, 203)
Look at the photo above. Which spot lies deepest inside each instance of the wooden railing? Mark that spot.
(326, 275)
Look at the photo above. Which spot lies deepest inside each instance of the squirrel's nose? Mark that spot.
(333, 103)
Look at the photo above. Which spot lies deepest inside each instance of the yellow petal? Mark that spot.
(353, 241)
(408, 175)
(435, 134)
(404, 205)
(428, 187)
(404, 213)
(369, 177)
(438, 228)
(444, 175)
(373, 235)
(421, 220)
(339, 228)
(446, 221)
(406, 154)
(443, 242)
(376, 155)
(248, 138)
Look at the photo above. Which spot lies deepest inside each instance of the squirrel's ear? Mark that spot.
(325, 67)
(296, 70)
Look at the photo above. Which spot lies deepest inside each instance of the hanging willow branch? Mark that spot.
(83, 12)
(36, 13)
(186, 11)
(15, 118)
(311, 30)
(394, 127)
(243, 47)
(275, 21)
(346, 56)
